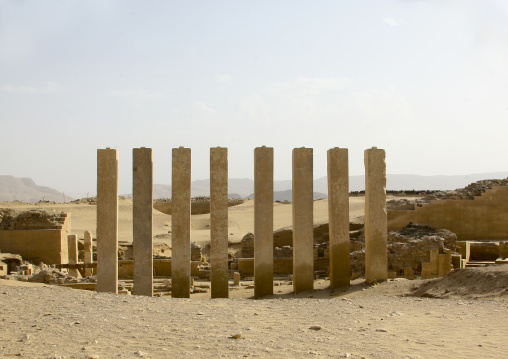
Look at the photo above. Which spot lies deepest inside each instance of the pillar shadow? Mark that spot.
(322, 293)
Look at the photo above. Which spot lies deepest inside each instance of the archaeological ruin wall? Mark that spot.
(37, 236)
(482, 218)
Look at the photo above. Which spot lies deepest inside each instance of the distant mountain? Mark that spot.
(245, 186)
(24, 189)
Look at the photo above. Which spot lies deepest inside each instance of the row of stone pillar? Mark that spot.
(303, 238)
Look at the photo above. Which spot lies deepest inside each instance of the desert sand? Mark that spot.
(241, 218)
(39, 321)
(453, 317)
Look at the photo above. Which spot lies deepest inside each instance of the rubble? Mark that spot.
(409, 247)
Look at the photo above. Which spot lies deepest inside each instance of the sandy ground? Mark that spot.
(241, 218)
(39, 321)
(464, 315)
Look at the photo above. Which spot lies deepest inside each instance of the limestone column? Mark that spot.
(180, 223)
(72, 243)
(338, 215)
(107, 220)
(263, 221)
(376, 259)
(142, 198)
(88, 252)
(303, 232)
(219, 222)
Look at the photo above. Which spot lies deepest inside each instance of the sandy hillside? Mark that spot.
(364, 322)
(241, 218)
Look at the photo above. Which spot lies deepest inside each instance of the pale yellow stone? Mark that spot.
(338, 214)
(376, 258)
(142, 201)
(303, 234)
(72, 244)
(426, 270)
(180, 223)
(88, 252)
(409, 273)
(263, 221)
(219, 222)
(434, 261)
(107, 220)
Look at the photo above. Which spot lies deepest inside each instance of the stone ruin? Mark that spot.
(32, 219)
(411, 251)
(470, 192)
(303, 238)
(406, 249)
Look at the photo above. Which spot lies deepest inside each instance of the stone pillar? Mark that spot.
(426, 270)
(263, 221)
(142, 201)
(88, 252)
(219, 222)
(376, 242)
(180, 223)
(445, 260)
(434, 261)
(236, 278)
(72, 243)
(338, 215)
(107, 220)
(303, 217)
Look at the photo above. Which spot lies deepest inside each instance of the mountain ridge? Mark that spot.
(25, 189)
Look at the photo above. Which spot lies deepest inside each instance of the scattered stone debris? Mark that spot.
(54, 276)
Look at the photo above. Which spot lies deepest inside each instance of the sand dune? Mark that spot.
(241, 218)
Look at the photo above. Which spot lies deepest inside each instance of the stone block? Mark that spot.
(434, 261)
(503, 249)
(464, 248)
(426, 270)
(409, 273)
(456, 261)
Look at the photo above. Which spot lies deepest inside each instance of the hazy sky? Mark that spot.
(425, 80)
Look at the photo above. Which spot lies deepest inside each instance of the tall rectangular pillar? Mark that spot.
(88, 252)
(107, 220)
(303, 220)
(142, 198)
(338, 215)
(180, 223)
(72, 244)
(376, 258)
(219, 222)
(263, 221)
